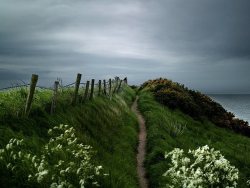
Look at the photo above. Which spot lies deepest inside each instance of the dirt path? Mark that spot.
(141, 147)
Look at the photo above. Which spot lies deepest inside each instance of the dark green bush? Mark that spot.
(195, 104)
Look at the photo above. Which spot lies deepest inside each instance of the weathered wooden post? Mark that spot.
(54, 98)
(104, 87)
(118, 89)
(126, 80)
(99, 88)
(86, 92)
(116, 84)
(92, 89)
(33, 82)
(77, 84)
(110, 87)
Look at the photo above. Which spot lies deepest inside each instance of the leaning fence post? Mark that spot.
(77, 84)
(116, 84)
(104, 87)
(86, 92)
(92, 88)
(33, 82)
(118, 89)
(54, 98)
(99, 88)
(110, 87)
(126, 80)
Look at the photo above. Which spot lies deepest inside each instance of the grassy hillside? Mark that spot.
(169, 129)
(107, 125)
(180, 119)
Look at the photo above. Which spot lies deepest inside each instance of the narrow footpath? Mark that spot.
(141, 150)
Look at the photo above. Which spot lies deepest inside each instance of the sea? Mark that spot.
(238, 104)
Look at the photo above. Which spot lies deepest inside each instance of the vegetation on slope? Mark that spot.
(107, 125)
(168, 129)
(12, 101)
(195, 104)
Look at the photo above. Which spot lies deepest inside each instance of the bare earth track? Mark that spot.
(141, 147)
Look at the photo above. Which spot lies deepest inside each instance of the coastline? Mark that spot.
(238, 104)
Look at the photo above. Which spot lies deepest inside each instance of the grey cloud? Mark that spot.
(207, 28)
(198, 43)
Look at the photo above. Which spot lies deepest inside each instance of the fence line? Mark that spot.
(51, 88)
(88, 89)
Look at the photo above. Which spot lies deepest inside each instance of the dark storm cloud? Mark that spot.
(217, 28)
(204, 44)
(7, 74)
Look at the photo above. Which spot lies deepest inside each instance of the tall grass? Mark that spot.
(235, 147)
(12, 101)
(106, 124)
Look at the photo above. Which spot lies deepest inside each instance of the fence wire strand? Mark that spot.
(62, 86)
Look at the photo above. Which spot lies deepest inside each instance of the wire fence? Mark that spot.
(70, 94)
(49, 88)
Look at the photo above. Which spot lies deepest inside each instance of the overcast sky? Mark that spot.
(204, 44)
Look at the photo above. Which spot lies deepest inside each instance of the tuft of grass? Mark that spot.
(108, 125)
(235, 147)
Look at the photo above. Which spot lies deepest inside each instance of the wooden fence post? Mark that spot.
(54, 98)
(110, 87)
(116, 84)
(104, 87)
(118, 89)
(99, 88)
(33, 82)
(92, 89)
(86, 92)
(77, 84)
(126, 80)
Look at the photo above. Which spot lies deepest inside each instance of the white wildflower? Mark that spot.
(207, 168)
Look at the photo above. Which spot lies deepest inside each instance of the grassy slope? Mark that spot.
(108, 125)
(234, 147)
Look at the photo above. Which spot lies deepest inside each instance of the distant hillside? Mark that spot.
(195, 104)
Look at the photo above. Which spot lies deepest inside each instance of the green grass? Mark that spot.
(111, 128)
(107, 125)
(159, 121)
(12, 101)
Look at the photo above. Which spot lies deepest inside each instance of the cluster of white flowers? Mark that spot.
(248, 183)
(11, 154)
(63, 163)
(203, 167)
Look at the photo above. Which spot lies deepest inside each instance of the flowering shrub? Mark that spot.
(248, 183)
(63, 163)
(203, 167)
